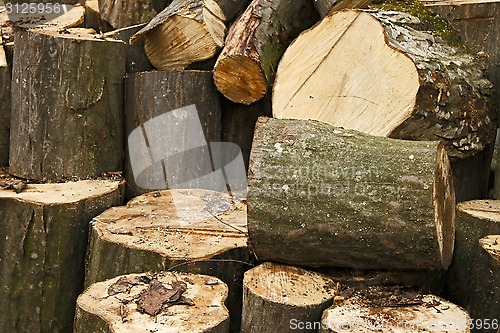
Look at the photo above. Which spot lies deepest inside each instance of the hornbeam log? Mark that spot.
(5, 78)
(183, 33)
(161, 303)
(277, 296)
(402, 311)
(429, 88)
(197, 231)
(255, 42)
(341, 198)
(326, 6)
(125, 13)
(474, 220)
(44, 234)
(67, 105)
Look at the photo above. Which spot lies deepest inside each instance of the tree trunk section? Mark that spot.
(255, 42)
(67, 105)
(394, 312)
(112, 306)
(153, 100)
(475, 219)
(5, 79)
(275, 296)
(44, 234)
(327, 74)
(195, 231)
(186, 31)
(125, 13)
(341, 198)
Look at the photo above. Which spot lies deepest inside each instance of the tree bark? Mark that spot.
(5, 79)
(44, 234)
(151, 95)
(125, 13)
(255, 42)
(340, 198)
(195, 231)
(112, 305)
(475, 219)
(410, 313)
(326, 6)
(274, 296)
(67, 105)
(327, 74)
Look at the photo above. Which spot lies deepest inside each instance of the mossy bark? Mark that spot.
(5, 78)
(45, 232)
(325, 196)
(67, 105)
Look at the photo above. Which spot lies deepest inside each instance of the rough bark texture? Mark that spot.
(67, 104)
(44, 234)
(5, 77)
(379, 312)
(431, 90)
(326, 196)
(255, 42)
(195, 231)
(152, 94)
(124, 13)
(110, 306)
(276, 295)
(474, 220)
(325, 6)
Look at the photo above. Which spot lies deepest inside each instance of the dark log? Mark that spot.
(5, 78)
(195, 231)
(327, 6)
(327, 74)
(255, 42)
(125, 13)
(340, 198)
(44, 234)
(67, 104)
(161, 303)
(151, 95)
(276, 296)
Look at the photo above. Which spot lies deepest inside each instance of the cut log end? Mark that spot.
(240, 79)
(491, 244)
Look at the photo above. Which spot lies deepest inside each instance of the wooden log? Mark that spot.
(276, 296)
(5, 79)
(150, 95)
(195, 231)
(377, 203)
(55, 15)
(74, 128)
(183, 33)
(166, 302)
(44, 234)
(93, 17)
(327, 74)
(125, 13)
(326, 6)
(474, 220)
(246, 65)
(386, 311)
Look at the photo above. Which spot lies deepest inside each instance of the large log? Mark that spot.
(341, 198)
(125, 13)
(402, 311)
(161, 303)
(67, 105)
(155, 102)
(430, 88)
(255, 42)
(5, 78)
(44, 234)
(195, 231)
(276, 296)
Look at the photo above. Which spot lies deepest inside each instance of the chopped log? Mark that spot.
(67, 105)
(327, 74)
(5, 79)
(275, 296)
(121, 14)
(44, 234)
(186, 31)
(474, 220)
(136, 58)
(54, 16)
(385, 312)
(326, 6)
(195, 231)
(161, 303)
(341, 198)
(93, 17)
(255, 42)
(149, 97)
